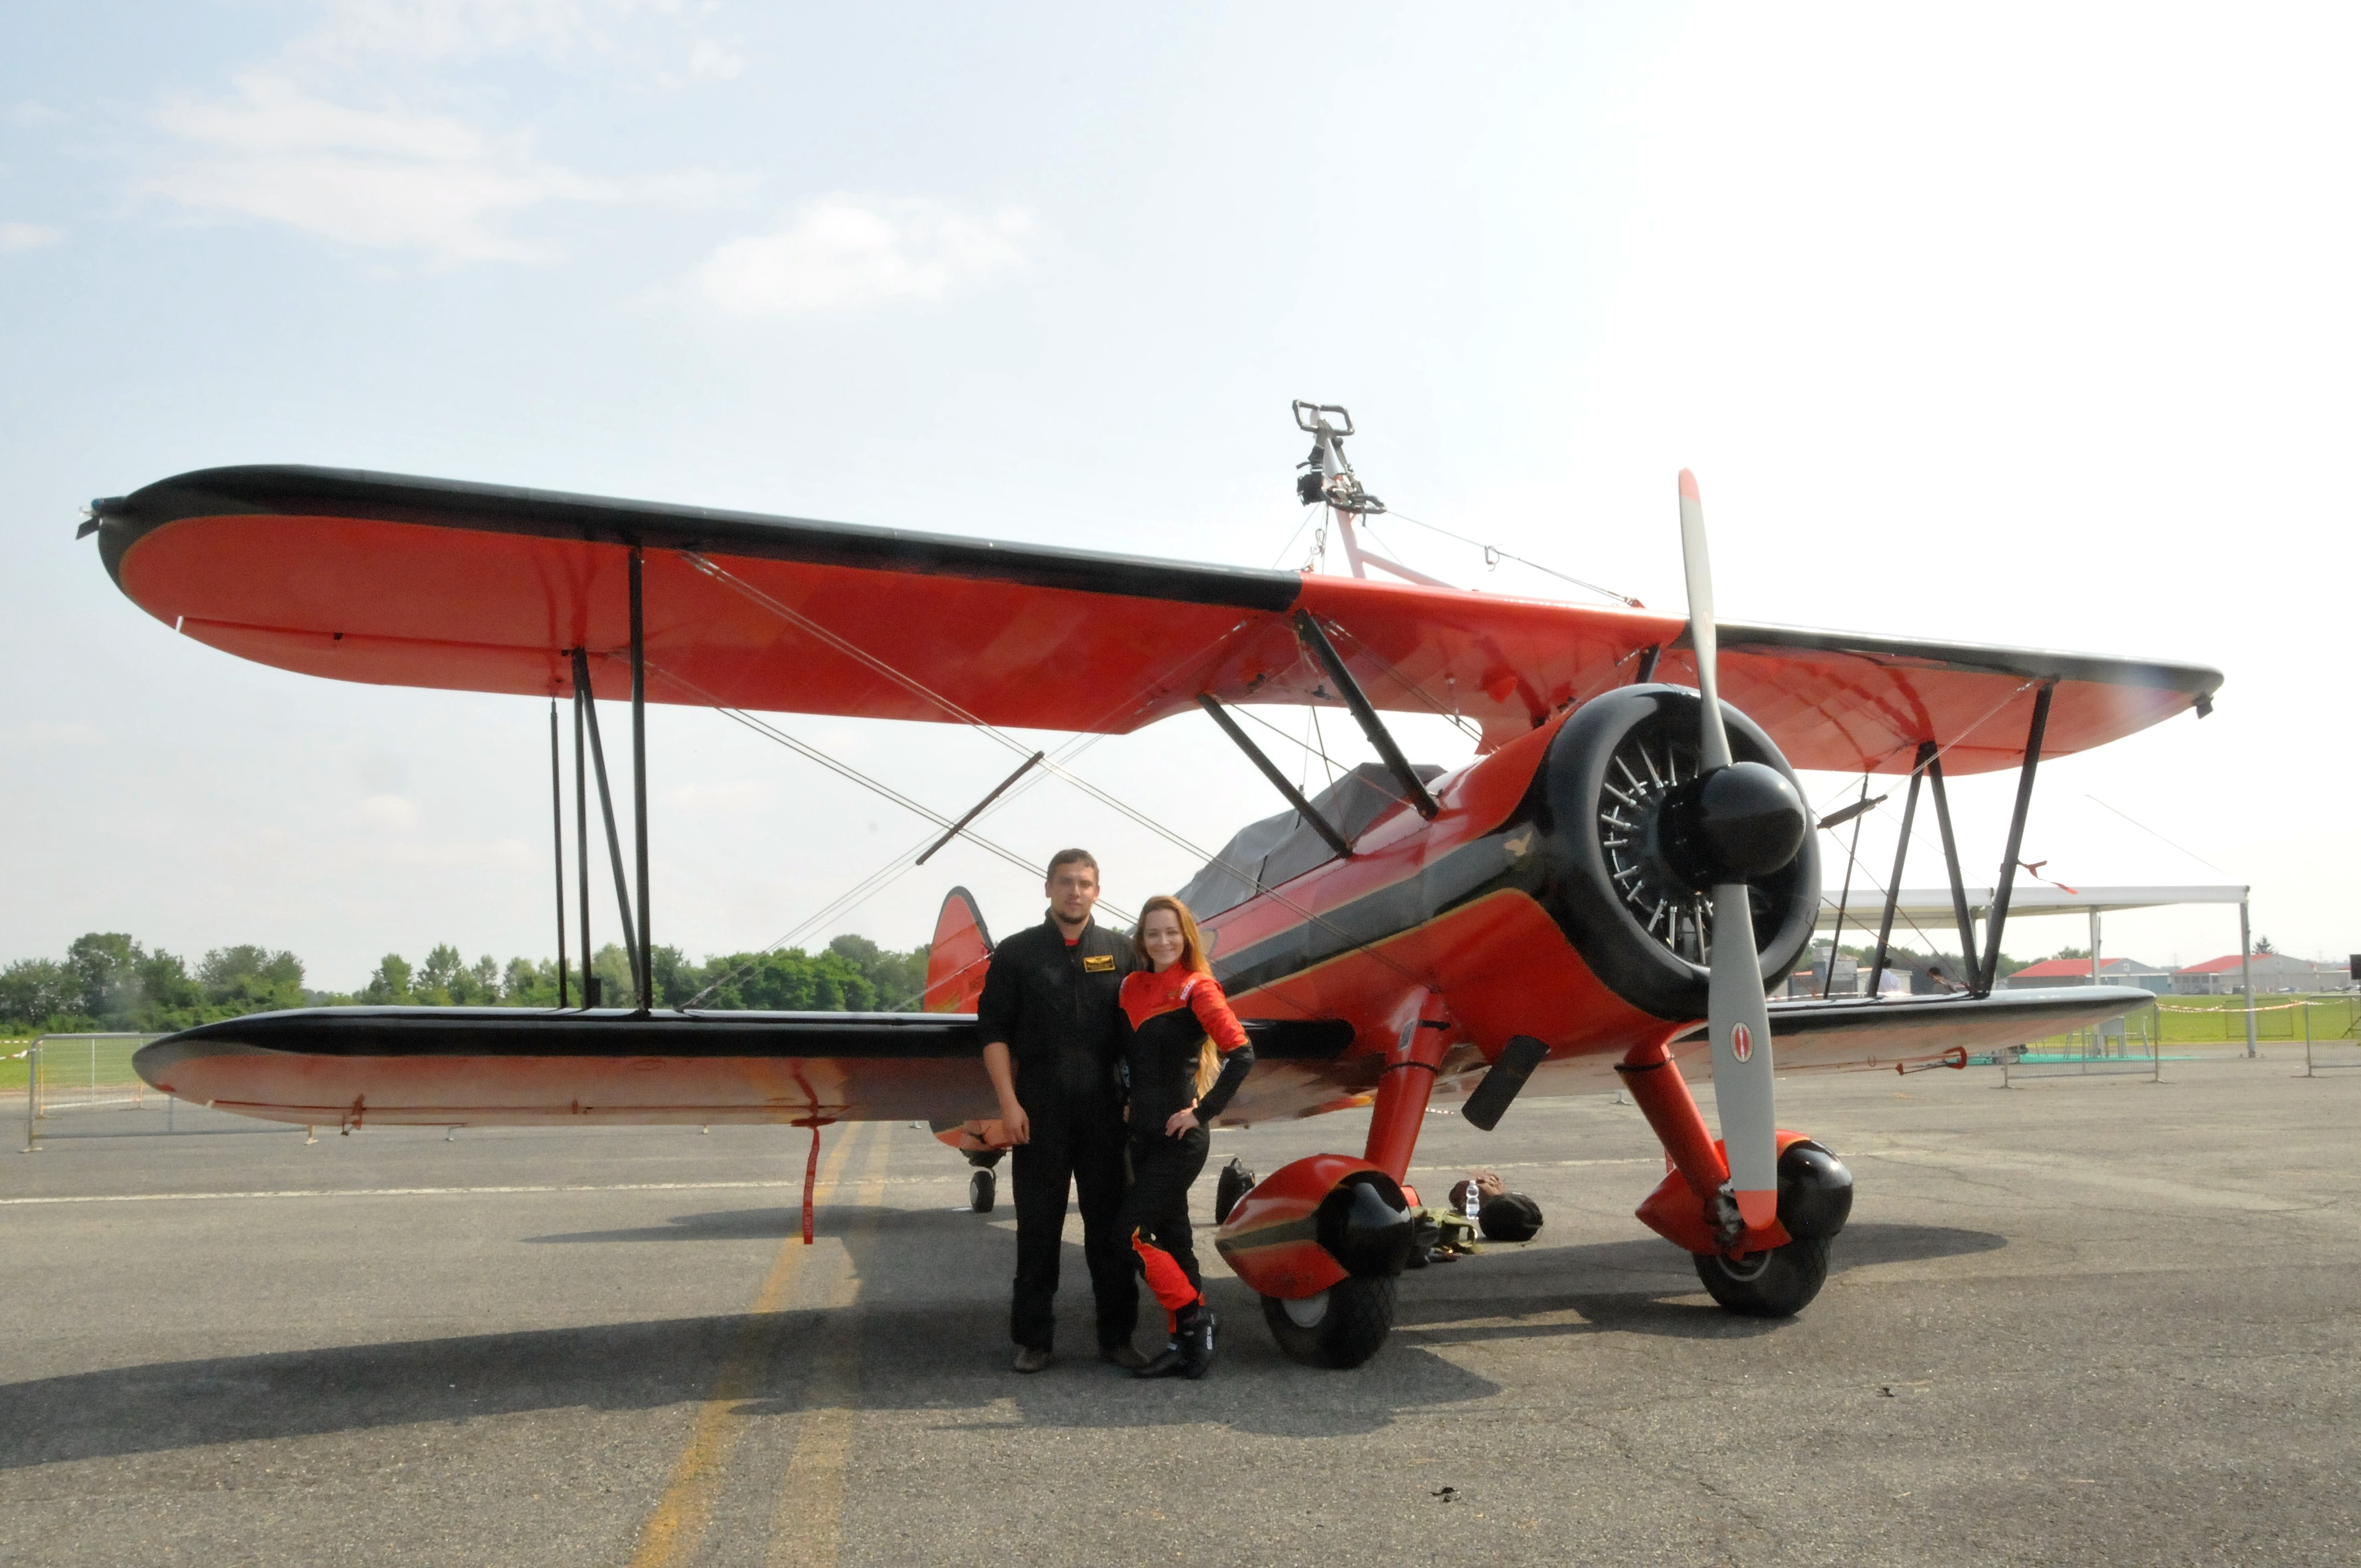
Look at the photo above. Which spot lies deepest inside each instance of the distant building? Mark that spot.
(2272, 971)
(2076, 971)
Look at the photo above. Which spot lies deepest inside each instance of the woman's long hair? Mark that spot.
(1192, 958)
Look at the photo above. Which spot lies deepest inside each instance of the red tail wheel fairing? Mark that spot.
(421, 582)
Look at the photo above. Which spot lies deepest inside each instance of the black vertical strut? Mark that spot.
(1414, 788)
(1828, 985)
(1990, 974)
(557, 843)
(1901, 858)
(607, 809)
(1951, 864)
(1303, 807)
(582, 833)
(639, 778)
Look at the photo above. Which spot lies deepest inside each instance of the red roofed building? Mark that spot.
(2272, 971)
(2076, 971)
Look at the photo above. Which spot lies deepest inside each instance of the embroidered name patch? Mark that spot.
(1098, 963)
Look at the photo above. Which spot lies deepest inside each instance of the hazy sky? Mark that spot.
(2024, 325)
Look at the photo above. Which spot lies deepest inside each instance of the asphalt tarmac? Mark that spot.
(2085, 1320)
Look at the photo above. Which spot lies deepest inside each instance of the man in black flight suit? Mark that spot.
(1050, 1017)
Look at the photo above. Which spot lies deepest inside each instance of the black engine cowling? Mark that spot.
(1632, 847)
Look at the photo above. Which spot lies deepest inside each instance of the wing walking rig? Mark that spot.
(1625, 862)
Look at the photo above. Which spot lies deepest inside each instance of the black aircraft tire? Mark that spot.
(1776, 1284)
(1358, 1314)
(980, 1191)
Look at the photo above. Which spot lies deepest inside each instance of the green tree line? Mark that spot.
(109, 981)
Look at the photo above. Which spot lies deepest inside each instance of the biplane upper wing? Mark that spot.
(403, 581)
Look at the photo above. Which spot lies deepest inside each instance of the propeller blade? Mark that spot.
(1740, 1022)
(1738, 1017)
(1701, 633)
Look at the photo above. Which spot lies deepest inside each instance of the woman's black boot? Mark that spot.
(1195, 1334)
(1165, 1362)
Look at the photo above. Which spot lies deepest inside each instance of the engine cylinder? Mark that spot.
(1632, 849)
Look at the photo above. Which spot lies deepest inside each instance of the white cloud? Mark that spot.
(467, 30)
(383, 179)
(848, 252)
(386, 811)
(715, 61)
(32, 112)
(29, 237)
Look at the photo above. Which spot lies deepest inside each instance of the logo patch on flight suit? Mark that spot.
(1098, 963)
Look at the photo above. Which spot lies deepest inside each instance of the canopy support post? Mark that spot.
(1995, 922)
(2246, 972)
(1951, 864)
(607, 808)
(646, 983)
(557, 843)
(1414, 789)
(582, 835)
(1256, 754)
(1901, 858)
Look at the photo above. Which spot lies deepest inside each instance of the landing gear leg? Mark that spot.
(1692, 1209)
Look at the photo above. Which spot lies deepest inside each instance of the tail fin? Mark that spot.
(955, 961)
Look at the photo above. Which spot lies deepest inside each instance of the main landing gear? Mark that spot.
(1773, 1274)
(1341, 1326)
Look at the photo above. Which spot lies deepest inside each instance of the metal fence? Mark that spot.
(80, 1072)
(2114, 1049)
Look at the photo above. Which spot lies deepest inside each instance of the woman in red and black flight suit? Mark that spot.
(1185, 1055)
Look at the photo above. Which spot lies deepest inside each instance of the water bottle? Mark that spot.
(1474, 1207)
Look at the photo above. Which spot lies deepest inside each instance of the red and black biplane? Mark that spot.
(1625, 863)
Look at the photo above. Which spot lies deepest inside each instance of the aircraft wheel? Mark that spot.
(1342, 1326)
(1775, 1284)
(980, 1191)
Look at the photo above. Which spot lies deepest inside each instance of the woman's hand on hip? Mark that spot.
(1180, 1124)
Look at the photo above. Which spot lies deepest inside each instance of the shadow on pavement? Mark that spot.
(1641, 1286)
(930, 1327)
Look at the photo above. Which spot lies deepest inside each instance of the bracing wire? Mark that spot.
(1493, 553)
(927, 693)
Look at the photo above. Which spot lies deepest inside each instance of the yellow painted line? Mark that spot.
(678, 1520)
(807, 1529)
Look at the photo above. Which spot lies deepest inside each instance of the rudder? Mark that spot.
(956, 959)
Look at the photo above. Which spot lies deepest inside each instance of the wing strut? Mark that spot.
(607, 806)
(557, 843)
(645, 983)
(1256, 754)
(582, 836)
(1990, 974)
(1413, 787)
(1901, 855)
(1951, 863)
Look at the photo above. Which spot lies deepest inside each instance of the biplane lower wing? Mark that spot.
(1857, 1034)
(499, 1066)
(392, 580)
